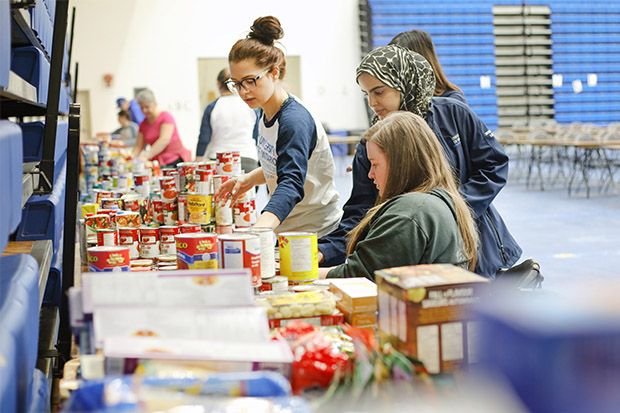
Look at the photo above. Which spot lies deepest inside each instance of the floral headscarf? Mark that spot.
(404, 70)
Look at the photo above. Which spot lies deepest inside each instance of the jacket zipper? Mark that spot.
(501, 244)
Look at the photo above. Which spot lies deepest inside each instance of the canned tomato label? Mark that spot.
(94, 222)
(197, 251)
(170, 211)
(149, 242)
(127, 219)
(199, 208)
(157, 213)
(245, 213)
(241, 251)
(110, 213)
(182, 206)
(224, 163)
(101, 194)
(189, 228)
(167, 233)
(168, 188)
(128, 237)
(107, 237)
(186, 176)
(298, 255)
(106, 259)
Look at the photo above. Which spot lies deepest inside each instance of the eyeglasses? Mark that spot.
(246, 84)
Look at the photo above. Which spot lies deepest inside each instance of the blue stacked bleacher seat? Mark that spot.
(11, 185)
(31, 64)
(19, 318)
(5, 43)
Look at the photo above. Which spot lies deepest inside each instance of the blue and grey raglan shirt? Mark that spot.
(299, 169)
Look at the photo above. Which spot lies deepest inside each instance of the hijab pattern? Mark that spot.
(404, 70)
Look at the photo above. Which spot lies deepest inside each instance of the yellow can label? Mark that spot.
(199, 208)
(298, 255)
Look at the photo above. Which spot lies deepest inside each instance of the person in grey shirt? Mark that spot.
(128, 130)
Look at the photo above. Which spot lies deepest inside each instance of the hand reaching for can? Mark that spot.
(232, 189)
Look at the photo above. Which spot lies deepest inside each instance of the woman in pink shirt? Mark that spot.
(159, 130)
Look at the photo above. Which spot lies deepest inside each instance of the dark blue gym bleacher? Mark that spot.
(585, 35)
(11, 183)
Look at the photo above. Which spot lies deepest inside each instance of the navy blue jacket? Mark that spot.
(454, 94)
(482, 168)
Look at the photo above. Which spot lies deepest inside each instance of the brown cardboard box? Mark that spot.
(423, 313)
(354, 294)
(363, 318)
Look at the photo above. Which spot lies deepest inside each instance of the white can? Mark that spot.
(267, 251)
(224, 213)
(241, 251)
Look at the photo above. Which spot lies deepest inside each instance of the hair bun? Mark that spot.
(266, 30)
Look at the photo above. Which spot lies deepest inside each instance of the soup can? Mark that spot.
(182, 206)
(128, 219)
(167, 241)
(224, 163)
(244, 213)
(94, 222)
(170, 211)
(236, 160)
(149, 242)
(189, 228)
(105, 259)
(218, 180)
(168, 188)
(241, 251)
(139, 204)
(196, 251)
(107, 237)
(129, 237)
(267, 251)
(186, 176)
(298, 255)
(224, 213)
(198, 208)
(157, 209)
(109, 203)
(204, 181)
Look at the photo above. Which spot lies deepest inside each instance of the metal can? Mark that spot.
(218, 180)
(104, 259)
(199, 208)
(129, 237)
(196, 251)
(204, 181)
(236, 160)
(127, 219)
(94, 222)
(298, 255)
(101, 194)
(149, 242)
(112, 214)
(182, 207)
(139, 204)
(224, 163)
(170, 211)
(241, 251)
(142, 184)
(267, 251)
(186, 176)
(157, 213)
(224, 213)
(107, 237)
(189, 228)
(245, 213)
(168, 188)
(224, 229)
(167, 241)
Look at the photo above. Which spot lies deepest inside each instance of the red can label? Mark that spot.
(158, 211)
(167, 234)
(189, 228)
(107, 237)
(141, 179)
(168, 188)
(224, 163)
(182, 207)
(129, 237)
(241, 251)
(108, 259)
(245, 213)
(236, 158)
(197, 251)
(186, 176)
(204, 181)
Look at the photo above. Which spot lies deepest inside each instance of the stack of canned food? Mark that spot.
(140, 219)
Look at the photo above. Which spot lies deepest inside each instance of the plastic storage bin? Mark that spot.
(11, 171)
(33, 66)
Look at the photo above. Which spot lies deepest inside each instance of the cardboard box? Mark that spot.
(423, 312)
(364, 318)
(320, 321)
(355, 295)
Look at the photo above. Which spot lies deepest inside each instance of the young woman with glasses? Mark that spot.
(293, 150)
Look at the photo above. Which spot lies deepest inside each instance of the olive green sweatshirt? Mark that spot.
(410, 229)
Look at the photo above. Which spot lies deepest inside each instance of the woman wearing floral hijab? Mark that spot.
(394, 78)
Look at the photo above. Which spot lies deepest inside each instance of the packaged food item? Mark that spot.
(241, 251)
(423, 312)
(199, 208)
(197, 251)
(298, 305)
(102, 259)
(298, 255)
(355, 295)
(107, 237)
(130, 238)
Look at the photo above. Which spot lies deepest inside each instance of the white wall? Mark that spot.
(156, 44)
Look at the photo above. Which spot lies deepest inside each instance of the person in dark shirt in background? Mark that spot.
(421, 42)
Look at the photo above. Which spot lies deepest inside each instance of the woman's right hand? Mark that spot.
(233, 189)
